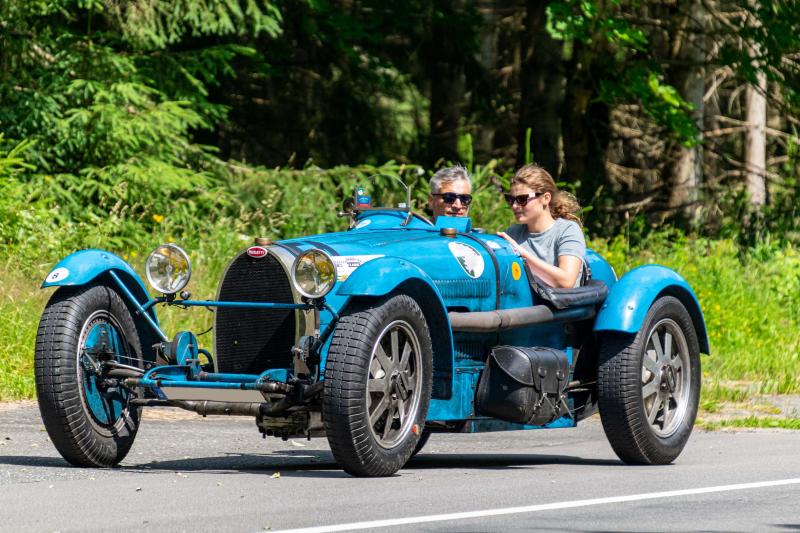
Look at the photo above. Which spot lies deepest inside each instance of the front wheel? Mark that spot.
(649, 385)
(378, 377)
(87, 415)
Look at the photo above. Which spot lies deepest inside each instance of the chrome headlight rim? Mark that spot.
(297, 285)
(182, 253)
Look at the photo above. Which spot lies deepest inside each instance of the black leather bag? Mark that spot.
(593, 293)
(524, 385)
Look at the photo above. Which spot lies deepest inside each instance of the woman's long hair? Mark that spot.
(562, 203)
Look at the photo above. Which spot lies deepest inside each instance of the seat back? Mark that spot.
(591, 291)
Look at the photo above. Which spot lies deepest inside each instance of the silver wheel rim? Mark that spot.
(394, 384)
(665, 378)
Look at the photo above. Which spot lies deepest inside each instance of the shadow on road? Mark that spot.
(316, 463)
(24, 460)
(490, 461)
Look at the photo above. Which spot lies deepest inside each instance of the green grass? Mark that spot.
(751, 305)
(752, 422)
(20, 306)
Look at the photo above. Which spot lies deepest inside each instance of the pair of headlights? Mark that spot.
(169, 269)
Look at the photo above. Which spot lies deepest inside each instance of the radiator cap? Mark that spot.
(448, 232)
(263, 241)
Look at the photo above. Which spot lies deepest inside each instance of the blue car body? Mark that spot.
(374, 337)
(463, 271)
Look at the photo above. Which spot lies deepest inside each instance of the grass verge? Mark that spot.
(752, 421)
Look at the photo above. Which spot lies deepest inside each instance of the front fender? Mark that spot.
(631, 297)
(81, 267)
(381, 276)
(85, 266)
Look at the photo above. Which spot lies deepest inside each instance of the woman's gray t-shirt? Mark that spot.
(564, 237)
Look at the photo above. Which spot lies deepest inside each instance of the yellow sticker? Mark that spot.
(516, 271)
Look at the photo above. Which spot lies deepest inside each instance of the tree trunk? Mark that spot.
(446, 68)
(584, 127)
(542, 91)
(755, 148)
(686, 176)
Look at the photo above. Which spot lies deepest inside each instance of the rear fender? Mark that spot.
(86, 266)
(631, 297)
(386, 275)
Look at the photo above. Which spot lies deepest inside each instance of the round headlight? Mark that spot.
(168, 269)
(313, 274)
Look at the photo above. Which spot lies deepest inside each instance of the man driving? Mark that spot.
(450, 192)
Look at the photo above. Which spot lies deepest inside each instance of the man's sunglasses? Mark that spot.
(451, 197)
(521, 199)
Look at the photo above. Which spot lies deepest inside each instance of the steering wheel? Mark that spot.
(412, 214)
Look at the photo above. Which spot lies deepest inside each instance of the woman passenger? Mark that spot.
(548, 235)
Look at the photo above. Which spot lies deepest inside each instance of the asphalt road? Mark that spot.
(216, 474)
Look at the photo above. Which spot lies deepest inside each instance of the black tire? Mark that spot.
(367, 434)
(90, 424)
(648, 400)
(423, 440)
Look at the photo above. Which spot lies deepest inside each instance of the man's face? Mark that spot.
(456, 208)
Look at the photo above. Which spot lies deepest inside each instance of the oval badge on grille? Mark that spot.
(257, 252)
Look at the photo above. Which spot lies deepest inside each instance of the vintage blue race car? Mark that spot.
(376, 338)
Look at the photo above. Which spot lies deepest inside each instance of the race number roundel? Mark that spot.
(516, 271)
(57, 275)
(468, 257)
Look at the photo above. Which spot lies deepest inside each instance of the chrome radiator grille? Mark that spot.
(250, 341)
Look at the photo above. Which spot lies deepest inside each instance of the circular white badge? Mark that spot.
(468, 257)
(57, 275)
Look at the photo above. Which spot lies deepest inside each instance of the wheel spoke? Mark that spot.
(401, 411)
(407, 383)
(387, 427)
(650, 389)
(381, 408)
(656, 407)
(395, 341)
(667, 412)
(667, 345)
(677, 363)
(656, 343)
(378, 385)
(375, 369)
(383, 359)
(650, 362)
(404, 358)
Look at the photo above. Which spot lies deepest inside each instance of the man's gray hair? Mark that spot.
(449, 175)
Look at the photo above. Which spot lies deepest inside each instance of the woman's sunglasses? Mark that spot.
(451, 197)
(521, 199)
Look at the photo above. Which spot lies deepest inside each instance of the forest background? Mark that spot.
(208, 122)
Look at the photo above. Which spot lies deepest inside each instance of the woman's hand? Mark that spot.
(514, 245)
(564, 275)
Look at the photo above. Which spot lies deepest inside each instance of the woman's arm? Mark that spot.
(562, 276)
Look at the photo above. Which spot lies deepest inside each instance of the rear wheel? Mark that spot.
(87, 415)
(649, 385)
(378, 378)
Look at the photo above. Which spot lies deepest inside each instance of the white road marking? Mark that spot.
(392, 522)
